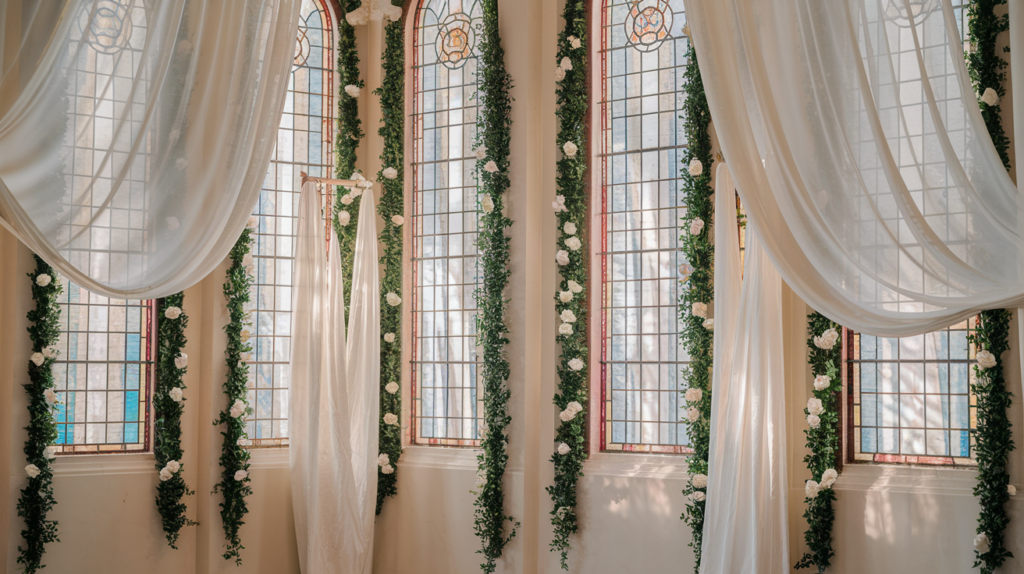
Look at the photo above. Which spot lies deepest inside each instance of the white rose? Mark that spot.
(559, 204)
(811, 489)
(491, 167)
(566, 415)
(398, 220)
(565, 296)
(696, 226)
(383, 459)
(699, 481)
(347, 199)
(390, 173)
(567, 316)
(821, 382)
(827, 340)
(563, 449)
(253, 222)
(573, 243)
(43, 279)
(387, 469)
(574, 406)
(559, 74)
(981, 543)
(165, 474)
(173, 466)
(569, 228)
(50, 452)
(575, 287)
(828, 478)
(172, 223)
(699, 496)
(565, 329)
(699, 310)
(352, 90)
(692, 414)
(181, 361)
(487, 204)
(237, 408)
(172, 312)
(32, 471)
(1011, 489)
(390, 419)
(570, 149)
(576, 364)
(694, 395)
(481, 152)
(990, 97)
(813, 421)
(562, 257)
(344, 218)
(37, 358)
(566, 64)
(391, 387)
(50, 352)
(574, 42)
(709, 324)
(393, 299)
(51, 397)
(240, 475)
(176, 394)
(986, 360)
(814, 406)
(695, 168)
(389, 337)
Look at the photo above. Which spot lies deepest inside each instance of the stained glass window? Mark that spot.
(304, 143)
(446, 382)
(641, 92)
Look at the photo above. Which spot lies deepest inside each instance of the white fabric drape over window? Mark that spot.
(135, 135)
(334, 395)
(860, 154)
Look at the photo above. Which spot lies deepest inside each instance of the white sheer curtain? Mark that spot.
(859, 151)
(334, 396)
(135, 135)
(745, 525)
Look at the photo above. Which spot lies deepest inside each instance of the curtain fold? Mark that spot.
(334, 401)
(860, 153)
(745, 520)
(135, 135)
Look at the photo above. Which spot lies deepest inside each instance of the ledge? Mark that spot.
(104, 464)
(271, 457)
(439, 457)
(637, 465)
(897, 479)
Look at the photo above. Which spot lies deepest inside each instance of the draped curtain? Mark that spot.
(860, 154)
(135, 135)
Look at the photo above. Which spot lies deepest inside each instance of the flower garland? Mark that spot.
(822, 414)
(993, 436)
(571, 209)
(493, 242)
(391, 208)
(234, 457)
(37, 500)
(698, 272)
(168, 405)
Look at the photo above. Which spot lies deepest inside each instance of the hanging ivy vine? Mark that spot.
(168, 406)
(696, 298)
(493, 140)
(570, 301)
(234, 483)
(993, 435)
(822, 413)
(37, 499)
(391, 209)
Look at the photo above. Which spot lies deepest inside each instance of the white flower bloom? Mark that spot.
(695, 168)
(685, 270)
(391, 387)
(821, 382)
(565, 296)
(811, 489)
(165, 474)
(237, 408)
(574, 406)
(986, 360)
(242, 442)
(699, 496)
(559, 74)
(567, 316)
(344, 218)
(389, 337)
(990, 97)
(352, 90)
(43, 279)
(32, 471)
(562, 257)
(566, 64)
(176, 394)
(240, 475)
(173, 466)
(181, 163)
(573, 243)
(387, 469)
(1011, 489)
(487, 204)
(390, 173)
(563, 449)
(574, 42)
(50, 452)
(694, 395)
(383, 459)
(827, 340)
(51, 397)
(575, 287)
(37, 358)
(393, 299)
(981, 543)
(565, 329)
(569, 149)
(490, 167)
(699, 481)
(828, 478)
(692, 414)
(813, 421)
(172, 312)
(569, 228)
(699, 310)
(566, 415)
(253, 222)
(559, 204)
(576, 364)
(814, 406)
(709, 324)
(181, 361)
(347, 199)
(696, 226)
(481, 152)
(172, 223)
(50, 352)
(398, 220)
(390, 419)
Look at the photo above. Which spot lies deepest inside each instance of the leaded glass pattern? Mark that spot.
(642, 62)
(446, 379)
(103, 373)
(304, 143)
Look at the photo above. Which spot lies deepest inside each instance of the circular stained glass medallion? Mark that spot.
(648, 24)
(455, 40)
(106, 25)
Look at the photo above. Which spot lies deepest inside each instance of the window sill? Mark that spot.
(897, 479)
(276, 457)
(439, 457)
(104, 464)
(637, 465)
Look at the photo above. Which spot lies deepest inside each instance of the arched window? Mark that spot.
(445, 375)
(641, 67)
(304, 143)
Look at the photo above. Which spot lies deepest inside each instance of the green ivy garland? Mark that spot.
(993, 436)
(699, 250)
(37, 500)
(493, 139)
(391, 208)
(168, 406)
(346, 142)
(234, 458)
(570, 302)
(822, 412)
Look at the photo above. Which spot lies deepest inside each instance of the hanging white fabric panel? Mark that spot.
(334, 396)
(745, 524)
(135, 135)
(859, 151)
